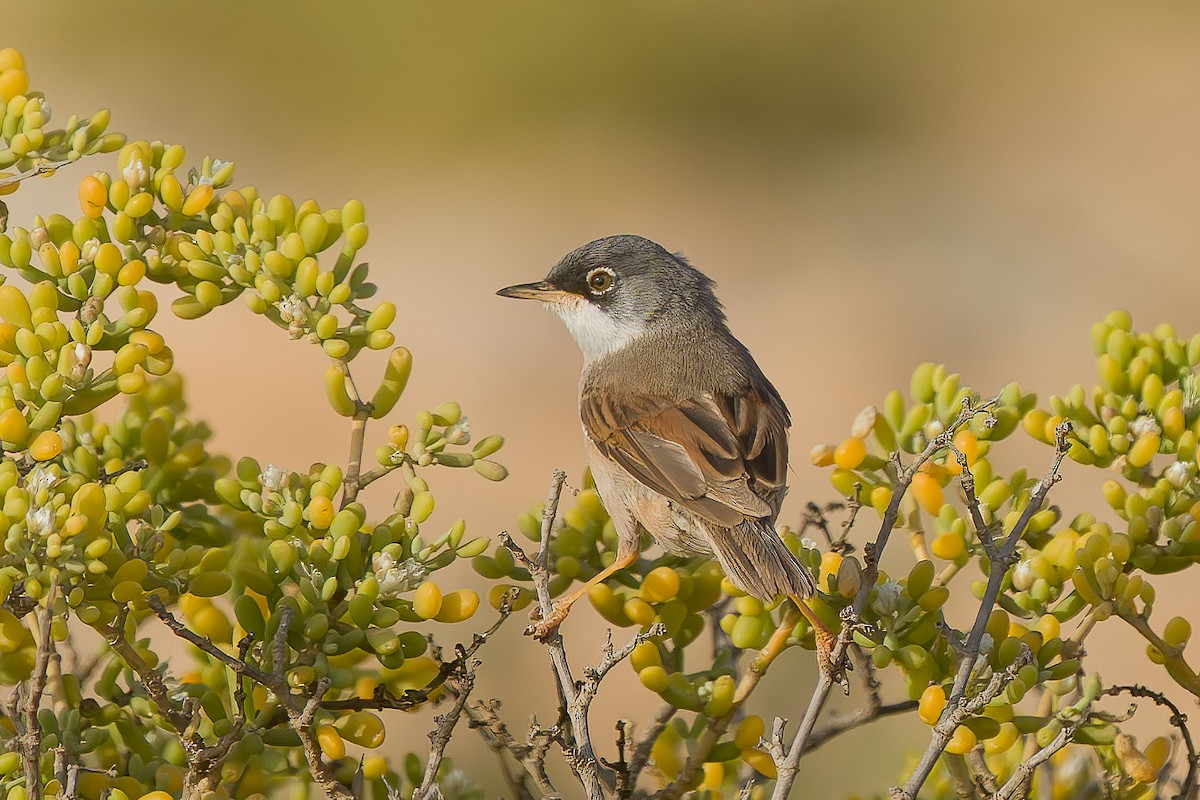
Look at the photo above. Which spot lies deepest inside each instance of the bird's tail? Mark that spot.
(758, 562)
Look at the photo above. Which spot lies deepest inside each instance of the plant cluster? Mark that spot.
(309, 619)
(304, 614)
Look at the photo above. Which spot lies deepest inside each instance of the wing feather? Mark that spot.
(723, 457)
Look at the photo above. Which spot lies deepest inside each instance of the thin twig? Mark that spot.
(641, 752)
(985, 779)
(459, 687)
(817, 517)
(183, 716)
(612, 656)
(382, 697)
(174, 713)
(1005, 555)
(31, 739)
(481, 722)
(302, 723)
(1179, 720)
(625, 779)
(960, 774)
(137, 465)
(579, 753)
(983, 531)
(207, 645)
(439, 737)
(716, 728)
(367, 478)
(38, 169)
(202, 775)
(484, 716)
(788, 769)
(1011, 788)
(839, 725)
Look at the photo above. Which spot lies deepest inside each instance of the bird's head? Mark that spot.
(612, 291)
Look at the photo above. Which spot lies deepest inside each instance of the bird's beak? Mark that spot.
(541, 290)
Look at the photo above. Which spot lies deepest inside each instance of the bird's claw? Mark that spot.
(541, 628)
(834, 670)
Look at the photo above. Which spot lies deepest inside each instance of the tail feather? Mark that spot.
(758, 562)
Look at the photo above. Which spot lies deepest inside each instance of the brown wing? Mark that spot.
(725, 458)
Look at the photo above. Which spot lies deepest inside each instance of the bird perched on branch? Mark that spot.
(684, 433)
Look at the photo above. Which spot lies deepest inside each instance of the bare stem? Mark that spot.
(31, 739)
(1004, 556)
(204, 643)
(964, 786)
(1021, 775)
(1179, 720)
(790, 766)
(1173, 659)
(302, 723)
(966, 478)
(353, 482)
(439, 738)
(839, 725)
(579, 752)
(41, 168)
(484, 716)
(716, 728)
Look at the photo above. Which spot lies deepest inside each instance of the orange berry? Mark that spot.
(46, 445)
(933, 700)
(850, 453)
(962, 742)
(928, 493)
(14, 427)
(331, 742)
(320, 512)
(13, 82)
(948, 546)
(92, 197)
(968, 445)
(198, 200)
(761, 761)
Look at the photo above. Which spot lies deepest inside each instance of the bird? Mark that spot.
(685, 436)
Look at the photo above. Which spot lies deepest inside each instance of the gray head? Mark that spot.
(613, 290)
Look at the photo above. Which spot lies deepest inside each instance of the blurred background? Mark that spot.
(872, 186)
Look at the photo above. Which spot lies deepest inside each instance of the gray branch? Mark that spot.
(790, 766)
(579, 752)
(1005, 555)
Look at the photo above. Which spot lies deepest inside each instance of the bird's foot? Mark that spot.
(541, 628)
(834, 670)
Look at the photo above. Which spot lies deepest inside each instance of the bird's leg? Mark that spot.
(541, 627)
(826, 641)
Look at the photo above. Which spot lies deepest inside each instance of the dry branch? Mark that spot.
(788, 769)
(579, 751)
(1005, 555)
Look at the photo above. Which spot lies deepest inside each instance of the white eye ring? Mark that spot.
(601, 280)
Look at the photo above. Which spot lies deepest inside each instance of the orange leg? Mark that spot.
(826, 640)
(541, 628)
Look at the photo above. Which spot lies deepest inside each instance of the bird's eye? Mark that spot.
(601, 280)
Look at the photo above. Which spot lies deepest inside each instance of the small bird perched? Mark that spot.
(684, 433)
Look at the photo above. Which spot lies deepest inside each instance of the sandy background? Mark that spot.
(872, 186)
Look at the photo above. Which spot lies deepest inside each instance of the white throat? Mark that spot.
(597, 333)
